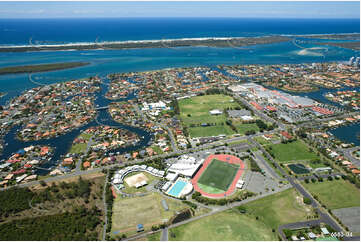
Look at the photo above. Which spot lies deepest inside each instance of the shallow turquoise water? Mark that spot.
(177, 188)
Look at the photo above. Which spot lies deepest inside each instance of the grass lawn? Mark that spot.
(238, 142)
(281, 208)
(294, 151)
(80, 148)
(198, 108)
(157, 149)
(335, 194)
(219, 175)
(226, 226)
(195, 110)
(154, 237)
(132, 190)
(210, 131)
(210, 189)
(243, 128)
(263, 141)
(147, 210)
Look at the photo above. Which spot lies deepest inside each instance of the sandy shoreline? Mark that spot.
(172, 40)
(169, 43)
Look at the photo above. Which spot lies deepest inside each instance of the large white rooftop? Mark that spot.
(186, 165)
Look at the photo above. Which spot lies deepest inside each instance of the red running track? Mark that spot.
(232, 187)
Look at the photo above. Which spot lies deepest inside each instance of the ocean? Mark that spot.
(58, 31)
(103, 62)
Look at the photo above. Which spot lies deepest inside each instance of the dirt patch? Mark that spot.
(133, 180)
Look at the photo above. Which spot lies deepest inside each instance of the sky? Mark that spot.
(322, 9)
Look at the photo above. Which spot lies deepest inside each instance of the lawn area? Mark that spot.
(81, 147)
(242, 141)
(147, 210)
(293, 151)
(132, 190)
(154, 237)
(281, 208)
(198, 108)
(157, 149)
(226, 226)
(263, 141)
(210, 131)
(219, 175)
(335, 194)
(195, 110)
(243, 128)
(78, 148)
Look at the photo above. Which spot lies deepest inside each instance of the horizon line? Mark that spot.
(184, 17)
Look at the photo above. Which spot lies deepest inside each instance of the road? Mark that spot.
(164, 236)
(348, 154)
(324, 216)
(80, 172)
(214, 211)
(171, 136)
(105, 207)
(79, 163)
(319, 120)
(265, 164)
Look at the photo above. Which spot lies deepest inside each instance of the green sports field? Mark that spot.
(229, 225)
(335, 194)
(293, 151)
(256, 224)
(195, 111)
(217, 177)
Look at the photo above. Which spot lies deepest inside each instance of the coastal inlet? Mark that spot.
(62, 143)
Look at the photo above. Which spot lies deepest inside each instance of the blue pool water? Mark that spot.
(177, 188)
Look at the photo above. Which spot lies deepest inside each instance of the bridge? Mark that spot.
(102, 108)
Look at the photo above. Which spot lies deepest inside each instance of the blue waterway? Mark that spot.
(110, 61)
(87, 30)
(103, 62)
(348, 134)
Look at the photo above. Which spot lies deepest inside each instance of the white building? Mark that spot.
(171, 176)
(186, 165)
(215, 112)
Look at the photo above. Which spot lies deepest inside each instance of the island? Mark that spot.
(350, 36)
(165, 43)
(348, 45)
(40, 68)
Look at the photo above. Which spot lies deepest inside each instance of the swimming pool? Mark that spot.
(177, 188)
